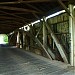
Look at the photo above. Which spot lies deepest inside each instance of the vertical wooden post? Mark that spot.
(72, 34)
(31, 41)
(18, 39)
(24, 39)
(45, 39)
(44, 34)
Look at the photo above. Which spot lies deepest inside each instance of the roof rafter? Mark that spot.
(10, 22)
(11, 18)
(9, 25)
(28, 1)
(19, 9)
(7, 28)
(18, 13)
(18, 17)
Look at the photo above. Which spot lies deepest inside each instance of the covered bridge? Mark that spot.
(41, 37)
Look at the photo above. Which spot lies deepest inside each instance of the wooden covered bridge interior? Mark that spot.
(41, 37)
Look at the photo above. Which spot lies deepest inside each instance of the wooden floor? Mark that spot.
(19, 62)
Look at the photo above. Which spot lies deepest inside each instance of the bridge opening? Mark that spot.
(3, 40)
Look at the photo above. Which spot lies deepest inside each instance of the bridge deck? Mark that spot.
(19, 62)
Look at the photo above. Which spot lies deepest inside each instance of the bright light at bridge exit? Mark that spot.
(3, 39)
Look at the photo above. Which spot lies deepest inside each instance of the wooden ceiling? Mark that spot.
(17, 13)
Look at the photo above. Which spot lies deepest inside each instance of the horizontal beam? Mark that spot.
(8, 28)
(29, 1)
(7, 18)
(18, 9)
(17, 13)
(13, 18)
(4, 32)
(9, 25)
(10, 22)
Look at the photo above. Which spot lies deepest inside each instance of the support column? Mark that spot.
(24, 39)
(20, 44)
(44, 34)
(18, 40)
(72, 34)
(31, 41)
(74, 37)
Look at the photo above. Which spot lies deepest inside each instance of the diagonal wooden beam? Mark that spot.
(64, 7)
(39, 30)
(18, 9)
(58, 44)
(38, 42)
